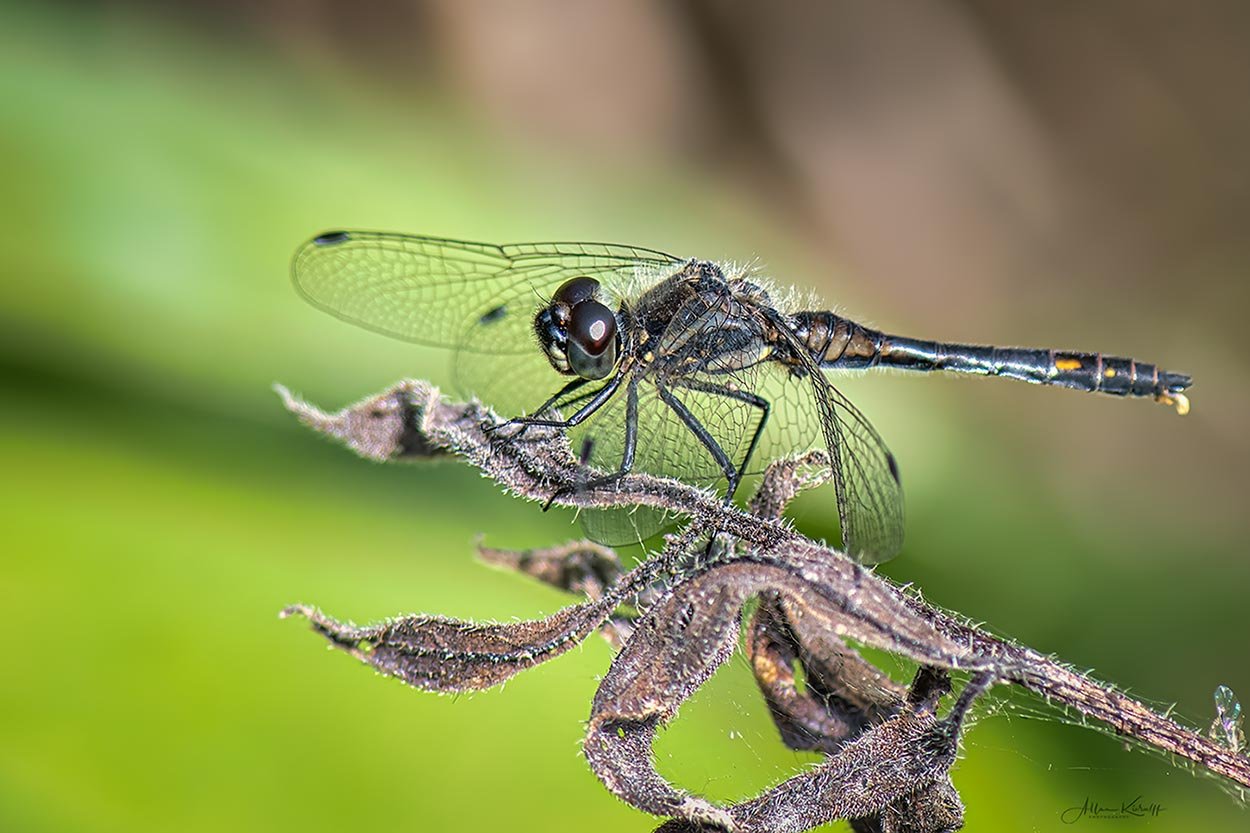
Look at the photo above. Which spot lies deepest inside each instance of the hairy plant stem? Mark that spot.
(888, 750)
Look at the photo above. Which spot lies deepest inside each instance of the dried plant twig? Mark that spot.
(676, 617)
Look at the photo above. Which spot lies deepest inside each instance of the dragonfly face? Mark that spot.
(679, 368)
(579, 335)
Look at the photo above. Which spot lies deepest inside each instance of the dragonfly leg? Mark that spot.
(597, 401)
(733, 474)
(577, 383)
(627, 456)
(709, 442)
(742, 396)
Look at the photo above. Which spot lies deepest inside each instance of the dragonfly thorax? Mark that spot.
(580, 336)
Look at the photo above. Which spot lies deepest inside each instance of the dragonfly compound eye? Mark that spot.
(592, 340)
(575, 291)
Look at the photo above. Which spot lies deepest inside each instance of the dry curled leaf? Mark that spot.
(676, 617)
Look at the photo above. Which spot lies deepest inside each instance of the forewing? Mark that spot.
(479, 299)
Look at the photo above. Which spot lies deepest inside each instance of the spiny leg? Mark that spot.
(597, 401)
(627, 456)
(576, 384)
(556, 397)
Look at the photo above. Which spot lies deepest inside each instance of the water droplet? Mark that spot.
(1226, 728)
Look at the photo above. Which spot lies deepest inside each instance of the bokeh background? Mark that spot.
(1070, 174)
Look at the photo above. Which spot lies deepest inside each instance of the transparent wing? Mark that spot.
(865, 473)
(870, 494)
(479, 299)
(430, 290)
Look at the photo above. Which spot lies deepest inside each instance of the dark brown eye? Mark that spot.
(593, 327)
(576, 291)
(592, 340)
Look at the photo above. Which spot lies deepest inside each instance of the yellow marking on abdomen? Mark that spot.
(1068, 364)
(1109, 373)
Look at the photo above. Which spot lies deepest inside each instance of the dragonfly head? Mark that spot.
(579, 335)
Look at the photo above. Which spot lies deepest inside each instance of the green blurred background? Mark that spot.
(1073, 175)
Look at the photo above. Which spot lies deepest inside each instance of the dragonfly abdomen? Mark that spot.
(1080, 371)
(834, 341)
(839, 343)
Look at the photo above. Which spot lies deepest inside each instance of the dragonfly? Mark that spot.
(677, 367)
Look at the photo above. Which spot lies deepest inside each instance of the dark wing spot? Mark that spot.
(331, 238)
(491, 316)
(889, 458)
